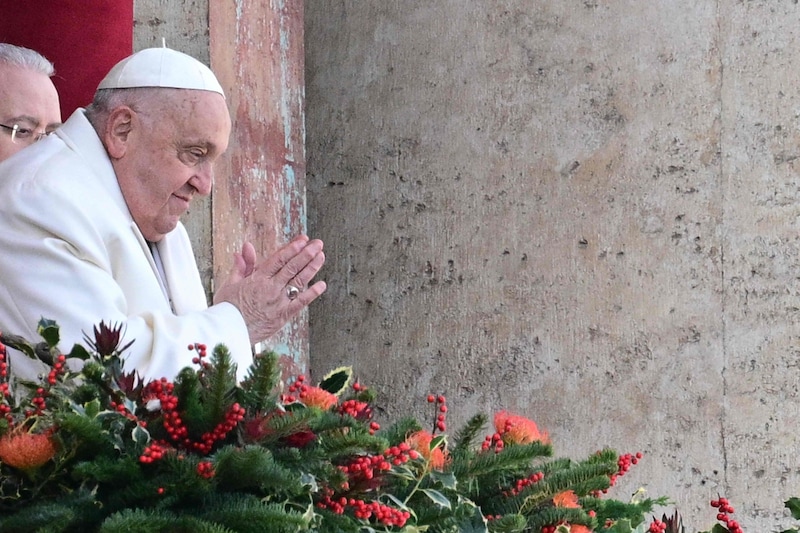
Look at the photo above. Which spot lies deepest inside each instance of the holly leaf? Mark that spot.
(337, 380)
(140, 435)
(448, 480)
(48, 329)
(438, 498)
(793, 504)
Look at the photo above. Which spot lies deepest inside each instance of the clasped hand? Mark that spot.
(260, 290)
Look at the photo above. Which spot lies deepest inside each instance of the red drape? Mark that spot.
(83, 39)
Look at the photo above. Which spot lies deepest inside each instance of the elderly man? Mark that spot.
(29, 106)
(91, 226)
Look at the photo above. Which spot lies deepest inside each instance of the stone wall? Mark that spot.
(581, 211)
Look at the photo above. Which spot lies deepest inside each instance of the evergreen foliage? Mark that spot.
(99, 450)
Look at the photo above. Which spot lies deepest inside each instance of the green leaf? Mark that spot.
(310, 481)
(438, 441)
(18, 343)
(140, 435)
(447, 479)
(793, 504)
(48, 329)
(622, 526)
(337, 380)
(400, 505)
(438, 498)
(79, 352)
(92, 409)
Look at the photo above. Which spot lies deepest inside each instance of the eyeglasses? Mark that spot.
(24, 134)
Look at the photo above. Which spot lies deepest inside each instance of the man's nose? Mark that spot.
(203, 179)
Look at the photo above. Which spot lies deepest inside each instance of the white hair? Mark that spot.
(22, 57)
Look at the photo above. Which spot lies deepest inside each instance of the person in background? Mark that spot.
(29, 107)
(92, 231)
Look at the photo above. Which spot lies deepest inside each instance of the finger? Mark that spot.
(290, 260)
(308, 272)
(248, 256)
(306, 297)
(272, 264)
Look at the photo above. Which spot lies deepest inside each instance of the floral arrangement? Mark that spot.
(101, 450)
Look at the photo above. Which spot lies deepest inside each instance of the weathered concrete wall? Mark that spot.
(259, 196)
(581, 211)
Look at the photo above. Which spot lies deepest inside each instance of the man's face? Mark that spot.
(169, 157)
(29, 101)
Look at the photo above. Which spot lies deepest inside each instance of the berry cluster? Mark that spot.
(726, 509)
(364, 468)
(624, 463)
(355, 408)
(153, 452)
(201, 353)
(298, 387)
(358, 409)
(205, 469)
(442, 411)
(493, 441)
(38, 401)
(383, 514)
(121, 409)
(57, 370)
(657, 526)
(177, 433)
(521, 484)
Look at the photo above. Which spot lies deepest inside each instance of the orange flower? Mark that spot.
(319, 398)
(26, 450)
(517, 429)
(566, 499)
(421, 441)
(569, 499)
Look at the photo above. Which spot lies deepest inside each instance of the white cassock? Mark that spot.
(70, 251)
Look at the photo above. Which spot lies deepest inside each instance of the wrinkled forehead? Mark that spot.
(193, 116)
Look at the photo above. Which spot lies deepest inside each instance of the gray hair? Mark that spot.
(140, 99)
(22, 57)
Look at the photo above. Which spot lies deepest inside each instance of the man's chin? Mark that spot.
(160, 232)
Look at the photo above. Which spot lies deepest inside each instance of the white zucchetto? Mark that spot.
(161, 67)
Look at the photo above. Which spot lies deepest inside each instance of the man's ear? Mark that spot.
(117, 131)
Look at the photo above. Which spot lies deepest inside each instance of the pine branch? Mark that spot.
(465, 439)
(251, 515)
(193, 413)
(91, 436)
(158, 521)
(106, 469)
(286, 423)
(254, 467)
(490, 463)
(581, 478)
(263, 376)
(635, 511)
(220, 378)
(401, 429)
(76, 511)
(554, 515)
(354, 442)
